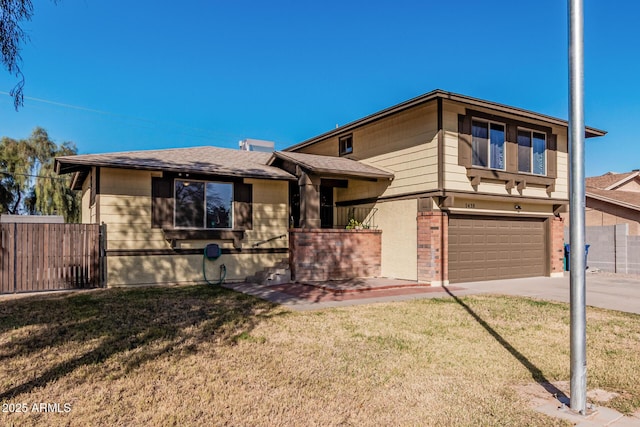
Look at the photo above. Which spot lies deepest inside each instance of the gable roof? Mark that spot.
(329, 165)
(610, 180)
(203, 160)
(628, 199)
(434, 95)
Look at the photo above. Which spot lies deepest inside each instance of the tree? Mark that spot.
(12, 36)
(28, 183)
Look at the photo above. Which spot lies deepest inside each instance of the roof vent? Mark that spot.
(257, 145)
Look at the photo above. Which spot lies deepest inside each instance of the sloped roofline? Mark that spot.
(433, 95)
(612, 201)
(623, 180)
(371, 172)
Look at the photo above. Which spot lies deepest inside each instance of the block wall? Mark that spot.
(330, 254)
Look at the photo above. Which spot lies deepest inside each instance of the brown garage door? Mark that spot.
(487, 248)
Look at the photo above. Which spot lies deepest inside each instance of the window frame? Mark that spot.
(504, 143)
(531, 150)
(204, 221)
(342, 145)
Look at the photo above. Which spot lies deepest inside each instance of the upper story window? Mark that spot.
(346, 145)
(488, 144)
(203, 205)
(532, 152)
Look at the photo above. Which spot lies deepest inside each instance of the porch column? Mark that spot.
(433, 248)
(557, 246)
(309, 200)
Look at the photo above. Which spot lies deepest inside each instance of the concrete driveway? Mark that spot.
(605, 290)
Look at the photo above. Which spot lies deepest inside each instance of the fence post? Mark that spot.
(102, 254)
(15, 257)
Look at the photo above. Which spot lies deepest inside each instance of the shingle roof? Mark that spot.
(205, 160)
(341, 166)
(608, 179)
(625, 198)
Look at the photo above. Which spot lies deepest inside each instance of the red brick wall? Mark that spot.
(557, 245)
(433, 244)
(330, 254)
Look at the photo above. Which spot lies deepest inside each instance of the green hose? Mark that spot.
(223, 272)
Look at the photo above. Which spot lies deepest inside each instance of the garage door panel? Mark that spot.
(484, 248)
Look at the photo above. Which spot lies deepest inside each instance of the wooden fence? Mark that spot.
(47, 257)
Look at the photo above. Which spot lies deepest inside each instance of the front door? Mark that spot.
(326, 206)
(294, 205)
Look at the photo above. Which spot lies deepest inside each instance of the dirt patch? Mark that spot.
(538, 394)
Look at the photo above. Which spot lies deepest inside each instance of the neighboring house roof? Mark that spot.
(328, 165)
(610, 180)
(433, 95)
(629, 199)
(603, 188)
(203, 160)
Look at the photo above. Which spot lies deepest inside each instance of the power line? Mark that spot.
(33, 176)
(122, 116)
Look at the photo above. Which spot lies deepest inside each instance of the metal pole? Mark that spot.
(577, 208)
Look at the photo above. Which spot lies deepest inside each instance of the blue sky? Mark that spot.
(130, 75)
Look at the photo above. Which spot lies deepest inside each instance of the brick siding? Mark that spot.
(330, 254)
(433, 244)
(557, 245)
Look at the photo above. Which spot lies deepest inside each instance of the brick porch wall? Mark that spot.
(557, 246)
(330, 254)
(433, 244)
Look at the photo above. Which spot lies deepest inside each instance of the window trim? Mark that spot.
(342, 148)
(204, 228)
(531, 131)
(504, 143)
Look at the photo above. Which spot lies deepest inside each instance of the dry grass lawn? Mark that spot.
(207, 356)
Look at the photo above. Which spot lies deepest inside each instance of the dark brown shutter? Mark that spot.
(512, 148)
(162, 203)
(243, 206)
(552, 156)
(464, 140)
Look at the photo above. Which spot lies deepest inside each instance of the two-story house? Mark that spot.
(455, 188)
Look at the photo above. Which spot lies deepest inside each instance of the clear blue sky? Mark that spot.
(146, 74)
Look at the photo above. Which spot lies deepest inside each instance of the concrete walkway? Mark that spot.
(605, 290)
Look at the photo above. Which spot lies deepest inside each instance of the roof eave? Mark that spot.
(612, 201)
(81, 165)
(332, 172)
(431, 96)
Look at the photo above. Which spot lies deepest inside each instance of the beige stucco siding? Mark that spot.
(270, 214)
(632, 185)
(85, 201)
(125, 206)
(397, 220)
(455, 176)
(177, 269)
(599, 213)
(404, 143)
(475, 206)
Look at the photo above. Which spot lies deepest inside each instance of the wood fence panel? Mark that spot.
(45, 257)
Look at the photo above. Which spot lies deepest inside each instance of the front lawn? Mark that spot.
(207, 356)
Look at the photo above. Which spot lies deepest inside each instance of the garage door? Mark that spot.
(486, 248)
